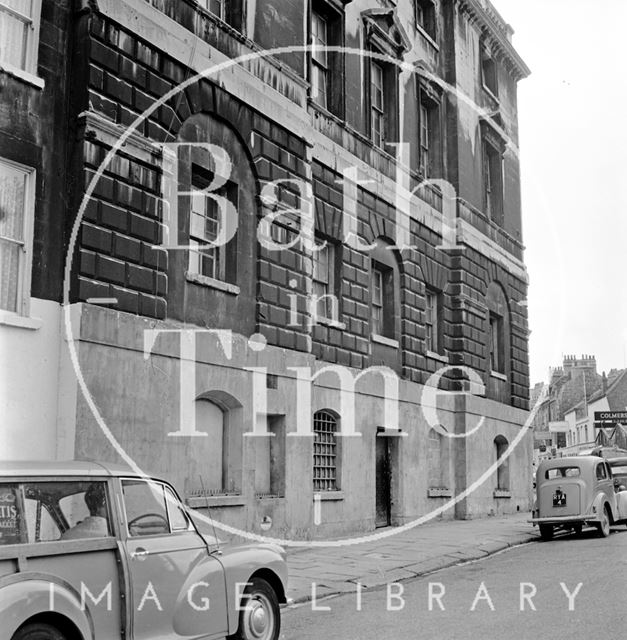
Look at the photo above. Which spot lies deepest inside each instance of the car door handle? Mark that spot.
(139, 553)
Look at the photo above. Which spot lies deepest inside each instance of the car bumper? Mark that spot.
(566, 519)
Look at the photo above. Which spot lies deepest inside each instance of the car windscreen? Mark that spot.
(562, 472)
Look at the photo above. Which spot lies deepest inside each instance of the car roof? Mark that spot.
(10, 468)
(619, 462)
(570, 461)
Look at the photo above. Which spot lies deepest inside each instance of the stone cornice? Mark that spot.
(498, 33)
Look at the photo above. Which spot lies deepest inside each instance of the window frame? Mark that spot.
(332, 69)
(489, 72)
(333, 482)
(319, 68)
(206, 5)
(377, 111)
(55, 512)
(384, 326)
(433, 339)
(496, 328)
(425, 18)
(164, 489)
(503, 478)
(25, 261)
(225, 254)
(492, 180)
(430, 146)
(32, 25)
(331, 304)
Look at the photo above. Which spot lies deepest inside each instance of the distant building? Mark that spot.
(564, 420)
(427, 283)
(612, 396)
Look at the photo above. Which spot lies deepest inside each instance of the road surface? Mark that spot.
(570, 587)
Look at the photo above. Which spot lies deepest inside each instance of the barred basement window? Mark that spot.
(325, 452)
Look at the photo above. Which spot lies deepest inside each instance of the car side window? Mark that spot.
(146, 512)
(601, 473)
(178, 519)
(58, 510)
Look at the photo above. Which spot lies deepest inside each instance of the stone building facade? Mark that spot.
(355, 355)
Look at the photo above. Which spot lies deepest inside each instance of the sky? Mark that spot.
(573, 143)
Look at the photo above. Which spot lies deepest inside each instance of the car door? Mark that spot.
(177, 588)
(605, 483)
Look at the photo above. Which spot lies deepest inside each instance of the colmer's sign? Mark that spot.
(611, 416)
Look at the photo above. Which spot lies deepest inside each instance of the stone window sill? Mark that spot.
(502, 493)
(212, 283)
(439, 492)
(420, 29)
(9, 319)
(200, 502)
(269, 496)
(328, 322)
(325, 112)
(25, 76)
(490, 93)
(498, 375)
(437, 356)
(329, 496)
(388, 342)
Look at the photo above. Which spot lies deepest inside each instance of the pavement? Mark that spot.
(411, 553)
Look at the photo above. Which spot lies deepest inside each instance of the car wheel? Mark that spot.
(546, 531)
(38, 631)
(604, 525)
(260, 618)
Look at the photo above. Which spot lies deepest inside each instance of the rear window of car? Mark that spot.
(47, 511)
(562, 472)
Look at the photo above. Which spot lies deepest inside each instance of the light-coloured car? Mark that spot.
(92, 551)
(575, 491)
(619, 472)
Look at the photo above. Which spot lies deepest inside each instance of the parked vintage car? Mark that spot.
(92, 551)
(619, 471)
(575, 491)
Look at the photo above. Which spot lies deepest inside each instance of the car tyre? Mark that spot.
(546, 532)
(604, 525)
(260, 618)
(38, 631)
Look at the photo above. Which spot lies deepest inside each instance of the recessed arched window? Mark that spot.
(325, 452)
(217, 457)
(437, 460)
(502, 472)
(498, 344)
